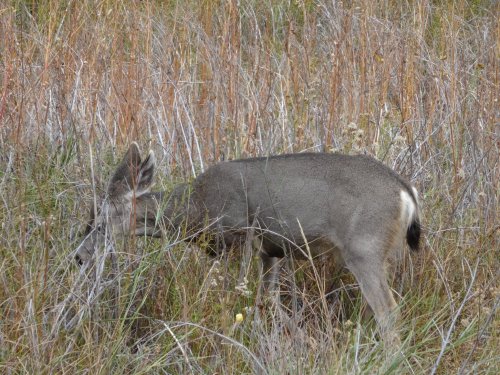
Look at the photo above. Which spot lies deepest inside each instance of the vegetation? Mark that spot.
(414, 83)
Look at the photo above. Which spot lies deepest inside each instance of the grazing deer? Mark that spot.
(353, 206)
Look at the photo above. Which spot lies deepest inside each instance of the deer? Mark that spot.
(351, 206)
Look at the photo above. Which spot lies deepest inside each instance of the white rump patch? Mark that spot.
(408, 207)
(415, 194)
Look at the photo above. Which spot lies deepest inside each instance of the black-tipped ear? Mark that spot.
(132, 174)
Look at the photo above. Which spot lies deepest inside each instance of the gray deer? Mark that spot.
(353, 206)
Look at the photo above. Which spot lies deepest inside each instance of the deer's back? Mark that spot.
(301, 195)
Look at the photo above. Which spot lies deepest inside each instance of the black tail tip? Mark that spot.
(413, 235)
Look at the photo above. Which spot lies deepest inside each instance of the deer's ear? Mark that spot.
(132, 175)
(146, 173)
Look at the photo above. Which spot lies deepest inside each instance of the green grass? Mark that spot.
(412, 83)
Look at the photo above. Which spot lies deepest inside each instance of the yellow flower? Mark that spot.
(239, 318)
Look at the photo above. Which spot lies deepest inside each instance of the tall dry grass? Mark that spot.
(414, 83)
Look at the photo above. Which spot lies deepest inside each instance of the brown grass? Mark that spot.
(415, 83)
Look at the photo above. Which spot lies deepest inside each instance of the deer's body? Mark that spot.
(353, 206)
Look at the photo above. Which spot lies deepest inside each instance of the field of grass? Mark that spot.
(414, 83)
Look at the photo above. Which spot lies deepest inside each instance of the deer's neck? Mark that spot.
(180, 211)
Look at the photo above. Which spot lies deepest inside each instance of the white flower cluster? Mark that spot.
(242, 288)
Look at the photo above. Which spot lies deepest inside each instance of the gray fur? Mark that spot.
(348, 205)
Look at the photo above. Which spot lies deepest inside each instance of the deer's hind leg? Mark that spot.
(365, 258)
